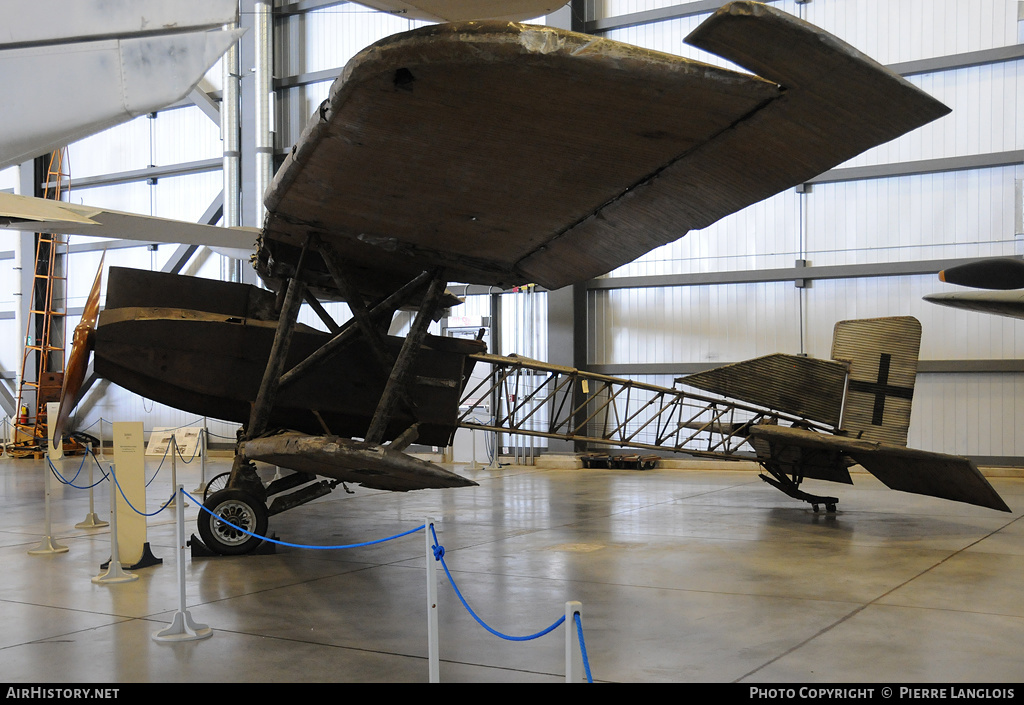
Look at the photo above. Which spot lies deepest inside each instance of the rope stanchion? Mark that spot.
(439, 556)
(572, 611)
(47, 545)
(182, 626)
(91, 521)
(436, 552)
(114, 573)
(433, 638)
(202, 456)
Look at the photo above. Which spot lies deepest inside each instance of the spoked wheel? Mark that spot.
(228, 509)
(218, 483)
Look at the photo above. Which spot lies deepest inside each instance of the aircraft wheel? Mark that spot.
(218, 483)
(235, 507)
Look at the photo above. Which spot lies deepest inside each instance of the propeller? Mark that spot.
(78, 363)
(995, 273)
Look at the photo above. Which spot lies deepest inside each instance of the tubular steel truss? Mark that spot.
(534, 398)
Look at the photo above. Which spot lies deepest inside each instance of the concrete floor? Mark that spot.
(684, 575)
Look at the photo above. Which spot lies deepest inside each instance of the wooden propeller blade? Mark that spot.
(995, 273)
(78, 362)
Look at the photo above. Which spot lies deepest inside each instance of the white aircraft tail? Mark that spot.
(882, 354)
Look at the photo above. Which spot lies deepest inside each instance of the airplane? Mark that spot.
(111, 60)
(1005, 274)
(455, 152)
(797, 417)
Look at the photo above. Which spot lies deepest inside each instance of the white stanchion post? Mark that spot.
(182, 627)
(494, 464)
(114, 572)
(47, 545)
(91, 521)
(472, 441)
(573, 655)
(174, 471)
(101, 439)
(173, 450)
(202, 459)
(433, 664)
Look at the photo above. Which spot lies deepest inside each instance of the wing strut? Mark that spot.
(399, 377)
(279, 352)
(355, 304)
(350, 329)
(243, 473)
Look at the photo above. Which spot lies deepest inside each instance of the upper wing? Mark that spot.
(69, 69)
(510, 154)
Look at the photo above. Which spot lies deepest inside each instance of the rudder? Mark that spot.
(882, 354)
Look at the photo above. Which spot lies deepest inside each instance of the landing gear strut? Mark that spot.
(791, 486)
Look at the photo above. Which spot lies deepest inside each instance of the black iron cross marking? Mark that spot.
(881, 389)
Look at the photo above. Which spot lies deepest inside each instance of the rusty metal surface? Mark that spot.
(802, 386)
(366, 464)
(462, 145)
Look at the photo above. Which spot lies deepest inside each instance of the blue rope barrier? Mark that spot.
(583, 646)
(177, 449)
(438, 551)
(118, 485)
(64, 481)
(439, 556)
(60, 478)
(299, 545)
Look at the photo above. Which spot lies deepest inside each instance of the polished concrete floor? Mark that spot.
(683, 574)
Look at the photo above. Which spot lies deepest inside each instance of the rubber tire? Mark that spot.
(217, 483)
(239, 508)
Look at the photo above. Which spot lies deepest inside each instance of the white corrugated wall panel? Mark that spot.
(709, 324)
(328, 37)
(988, 96)
(892, 31)
(930, 216)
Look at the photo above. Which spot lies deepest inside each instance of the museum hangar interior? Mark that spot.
(687, 567)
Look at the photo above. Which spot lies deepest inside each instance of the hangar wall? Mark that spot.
(871, 228)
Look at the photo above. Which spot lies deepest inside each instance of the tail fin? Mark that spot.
(882, 354)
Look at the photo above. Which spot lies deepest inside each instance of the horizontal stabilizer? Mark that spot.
(802, 386)
(898, 467)
(932, 474)
(367, 464)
